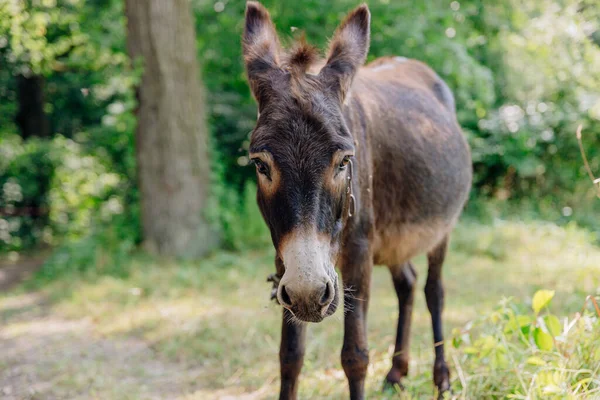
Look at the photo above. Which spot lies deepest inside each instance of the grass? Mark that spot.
(207, 329)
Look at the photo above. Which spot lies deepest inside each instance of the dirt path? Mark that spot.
(47, 357)
(44, 356)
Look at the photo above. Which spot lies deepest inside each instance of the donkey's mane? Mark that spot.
(301, 57)
(302, 62)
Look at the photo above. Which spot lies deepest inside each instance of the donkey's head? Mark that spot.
(302, 150)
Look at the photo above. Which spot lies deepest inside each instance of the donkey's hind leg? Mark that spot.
(434, 294)
(404, 278)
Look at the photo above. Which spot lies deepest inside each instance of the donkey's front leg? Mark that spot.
(291, 349)
(356, 277)
(291, 355)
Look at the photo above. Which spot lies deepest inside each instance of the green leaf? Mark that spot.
(523, 320)
(542, 339)
(553, 325)
(536, 361)
(541, 299)
(456, 342)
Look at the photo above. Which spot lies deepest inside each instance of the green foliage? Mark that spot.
(541, 299)
(526, 146)
(77, 46)
(518, 352)
(241, 223)
(83, 179)
(38, 36)
(26, 174)
(94, 213)
(56, 192)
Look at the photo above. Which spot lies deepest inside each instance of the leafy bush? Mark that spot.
(521, 352)
(240, 221)
(83, 179)
(94, 213)
(54, 192)
(234, 213)
(27, 170)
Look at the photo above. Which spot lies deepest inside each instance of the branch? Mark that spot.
(595, 181)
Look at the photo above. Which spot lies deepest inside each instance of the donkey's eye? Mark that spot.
(261, 167)
(344, 162)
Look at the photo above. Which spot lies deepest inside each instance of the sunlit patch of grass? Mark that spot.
(215, 315)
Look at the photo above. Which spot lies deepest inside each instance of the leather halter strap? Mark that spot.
(350, 193)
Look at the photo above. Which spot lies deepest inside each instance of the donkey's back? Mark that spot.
(420, 160)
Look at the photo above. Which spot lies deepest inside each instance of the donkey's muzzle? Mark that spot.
(308, 303)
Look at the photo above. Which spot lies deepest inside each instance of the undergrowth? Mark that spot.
(522, 352)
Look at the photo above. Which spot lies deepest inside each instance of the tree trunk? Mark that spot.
(30, 117)
(171, 136)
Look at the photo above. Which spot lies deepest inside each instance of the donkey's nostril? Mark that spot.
(285, 297)
(327, 295)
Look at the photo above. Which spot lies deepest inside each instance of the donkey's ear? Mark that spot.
(260, 47)
(347, 51)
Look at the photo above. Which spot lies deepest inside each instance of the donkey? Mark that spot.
(356, 165)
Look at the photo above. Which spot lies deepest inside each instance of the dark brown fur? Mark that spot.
(395, 119)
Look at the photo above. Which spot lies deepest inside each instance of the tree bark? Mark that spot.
(171, 136)
(30, 118)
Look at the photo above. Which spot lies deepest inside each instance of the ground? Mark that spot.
(207, 330)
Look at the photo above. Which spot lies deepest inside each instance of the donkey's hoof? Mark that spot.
(441, 378)
(445, 395)
(392, 383)
(392, 387)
